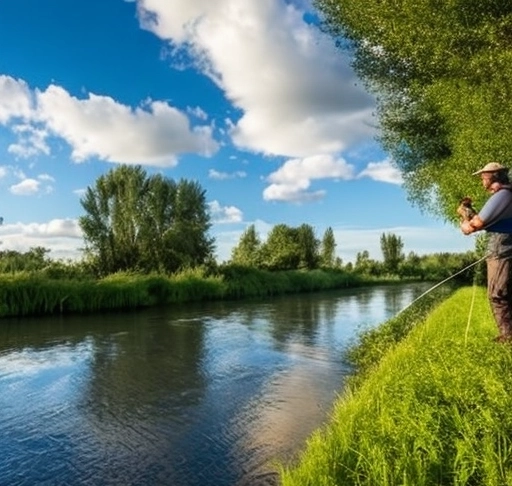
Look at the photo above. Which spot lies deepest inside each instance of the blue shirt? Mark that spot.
(496, 215)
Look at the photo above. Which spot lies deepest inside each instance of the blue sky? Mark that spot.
(247, 97)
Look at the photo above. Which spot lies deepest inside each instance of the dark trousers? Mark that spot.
(499, 292)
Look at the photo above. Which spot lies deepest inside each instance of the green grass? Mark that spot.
(35, 293)
(435, 409)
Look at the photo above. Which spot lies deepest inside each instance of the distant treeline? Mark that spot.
(135, 222)
(147, 243)
(33, 284)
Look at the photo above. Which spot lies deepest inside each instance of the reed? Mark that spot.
(194, 285)
(434, 410)
(243, 282)
(39, 293)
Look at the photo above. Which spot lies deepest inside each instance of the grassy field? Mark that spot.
(433, 409)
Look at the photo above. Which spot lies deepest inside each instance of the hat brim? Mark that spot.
(481, 171)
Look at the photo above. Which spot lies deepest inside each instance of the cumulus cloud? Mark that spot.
(63, 237)
(154, 133)
(293, 179)
(296, 93)
(15, 99)
(382, 171)
(31, 141)
(221, 176)
(27, 186)
(224, 214)
(197, 112)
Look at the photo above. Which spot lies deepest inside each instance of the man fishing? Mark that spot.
(495, 217)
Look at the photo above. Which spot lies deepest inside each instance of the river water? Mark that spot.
(209, 394)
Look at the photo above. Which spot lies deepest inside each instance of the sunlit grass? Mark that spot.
(433, 410)
(35, 293)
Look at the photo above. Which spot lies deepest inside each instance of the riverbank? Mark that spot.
(25, 294)
(435, 410)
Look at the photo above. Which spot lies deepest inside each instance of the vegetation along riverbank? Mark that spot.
(56, 288)
(147, 243)
(427, 407)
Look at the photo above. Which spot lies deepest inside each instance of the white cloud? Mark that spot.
(15, 99)
(198, 113)
(62, 236)
(26, 187)
(221, 176)
(293, 179)
(98, 126)
(297, 93)
(31, 141)
(224, 214)
(382, 171)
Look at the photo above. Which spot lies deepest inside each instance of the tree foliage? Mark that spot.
(391, 246)
(281, 249)
(147, 223)
(286, 248)
(442, 75)
(35, 259)
(308, 247)
(328, 249)
(248, 250)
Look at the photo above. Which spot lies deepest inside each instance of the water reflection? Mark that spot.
(208, 394)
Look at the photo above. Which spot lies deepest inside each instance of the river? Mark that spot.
(203, 394)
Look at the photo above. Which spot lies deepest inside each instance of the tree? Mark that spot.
(308, 247)
(328, 248)
(281, 249)
(34, 260)
(289, 248)
(391, 246)
(442, 76)
(247, 251)
(136, 222)
(363, 262)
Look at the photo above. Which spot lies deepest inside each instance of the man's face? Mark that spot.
(486, 178)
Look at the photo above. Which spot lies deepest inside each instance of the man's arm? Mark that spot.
(472, 225)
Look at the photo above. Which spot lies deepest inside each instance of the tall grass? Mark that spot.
(242, 282)
(434, 410)
(25, 293)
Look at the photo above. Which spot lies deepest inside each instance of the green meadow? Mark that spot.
(430, 404)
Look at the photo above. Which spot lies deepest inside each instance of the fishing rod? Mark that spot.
(443, 281)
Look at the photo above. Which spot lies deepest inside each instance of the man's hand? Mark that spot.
(472, 225)
(466, 228)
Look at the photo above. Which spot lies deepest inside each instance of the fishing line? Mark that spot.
(443, 281)
(470, 312)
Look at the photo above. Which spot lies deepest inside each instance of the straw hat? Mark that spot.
(491, 167)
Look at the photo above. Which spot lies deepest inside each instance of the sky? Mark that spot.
(247, 97)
